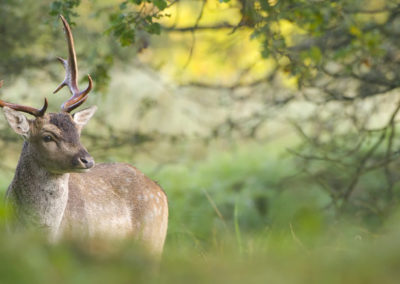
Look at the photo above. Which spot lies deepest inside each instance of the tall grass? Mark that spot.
(235, 217)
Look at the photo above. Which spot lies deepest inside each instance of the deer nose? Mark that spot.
(86, 161)
(82, 160)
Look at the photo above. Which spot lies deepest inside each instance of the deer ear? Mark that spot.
(17, 121)
(82, 117)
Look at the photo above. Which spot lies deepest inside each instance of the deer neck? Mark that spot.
(39, 196)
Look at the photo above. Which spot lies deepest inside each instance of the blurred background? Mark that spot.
(272, 126)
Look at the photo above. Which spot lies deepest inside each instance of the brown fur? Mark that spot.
(110, 201)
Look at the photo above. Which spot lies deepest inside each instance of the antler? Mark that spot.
(71, 74)
(27, 109)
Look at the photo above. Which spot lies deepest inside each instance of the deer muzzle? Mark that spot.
(83, 161)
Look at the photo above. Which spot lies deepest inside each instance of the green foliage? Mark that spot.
(250, 190)
(132, 18)
(121, 28)
(290, 242)
(254, 214)
(21, 34)
(65, 8)
(348, 33)
(31, 34)
(303, 38)
(160, 4)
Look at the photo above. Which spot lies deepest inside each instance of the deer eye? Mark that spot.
(47, 138)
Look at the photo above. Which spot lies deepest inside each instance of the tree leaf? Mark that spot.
(160, 4)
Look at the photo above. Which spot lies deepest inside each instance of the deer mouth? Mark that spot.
(81, 170)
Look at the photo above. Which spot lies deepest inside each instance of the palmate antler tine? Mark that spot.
(70, 65)
(75, 102)
(71, 74)
(34, 111)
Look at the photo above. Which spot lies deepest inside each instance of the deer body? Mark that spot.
(127, 202)
(58, 188)
(111, 201)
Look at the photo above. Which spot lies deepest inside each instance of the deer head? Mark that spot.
(53, 139)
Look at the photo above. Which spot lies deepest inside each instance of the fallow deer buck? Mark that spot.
(58, 187)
